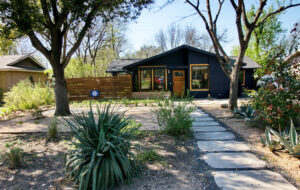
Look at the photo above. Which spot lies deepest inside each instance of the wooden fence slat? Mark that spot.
(109, 87)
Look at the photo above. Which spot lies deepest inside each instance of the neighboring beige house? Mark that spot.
(14, 68)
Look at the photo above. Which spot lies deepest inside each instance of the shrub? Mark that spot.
(277, 99)
(101, 155)
(174, 117)
(25, 95)
(14, 157)
(52, 129)
(149, 156)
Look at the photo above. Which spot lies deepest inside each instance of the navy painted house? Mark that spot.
(181, 69)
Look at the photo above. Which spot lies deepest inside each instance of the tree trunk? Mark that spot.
(61, 92)
(234, 81)
(234, 78)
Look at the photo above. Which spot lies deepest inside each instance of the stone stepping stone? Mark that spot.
(205, 123)
(203, 119)
(218, 146)
(251, 179)
(236, 160)
(198, 114)
(213, 136)
(208, 129)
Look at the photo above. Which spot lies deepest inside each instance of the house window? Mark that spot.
(146, 79)
(199, 77)
(153, 79)
(242, 77)
(159, 79)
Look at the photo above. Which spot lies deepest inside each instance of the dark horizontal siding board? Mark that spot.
(171, 60)
(218, 81)
(249, 79)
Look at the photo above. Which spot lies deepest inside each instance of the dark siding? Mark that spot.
(28, 63)
(218, 81)
(249, 79)
(174, 61)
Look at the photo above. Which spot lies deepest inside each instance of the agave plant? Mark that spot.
(245, 111)
(101, 154)
(290, 141)
(269, 142)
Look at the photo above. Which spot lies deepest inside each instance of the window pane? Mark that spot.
(241, 76)
(178, 74)
(199, 77)
(159, 79)
(146, 82)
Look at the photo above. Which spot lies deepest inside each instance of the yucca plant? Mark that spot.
(101, 155)
(290, 141)
(14, 157)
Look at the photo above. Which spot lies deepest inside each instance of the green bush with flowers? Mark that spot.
(277, 99)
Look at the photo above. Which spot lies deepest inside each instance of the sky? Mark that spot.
(142, 31)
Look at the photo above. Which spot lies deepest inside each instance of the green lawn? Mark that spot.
(125, 101)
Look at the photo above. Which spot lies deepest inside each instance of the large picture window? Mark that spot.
(153, 79)
(146, 79)
(159, 79)
(199, 77)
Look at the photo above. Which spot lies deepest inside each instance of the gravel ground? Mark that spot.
(43, 166)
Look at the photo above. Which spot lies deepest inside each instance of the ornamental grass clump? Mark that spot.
(101, 156)
(14, 157)
(174, 117)
(52, 129)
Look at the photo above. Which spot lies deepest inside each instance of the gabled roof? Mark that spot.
(250, 64)
(170, 52)
(8, 62)
(120, 65)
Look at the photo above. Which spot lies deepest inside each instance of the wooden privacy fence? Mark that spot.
(109, 87)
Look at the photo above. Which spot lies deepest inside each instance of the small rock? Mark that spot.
(224, 105)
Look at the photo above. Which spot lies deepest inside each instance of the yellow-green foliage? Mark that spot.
(25, 95)
(149, 156)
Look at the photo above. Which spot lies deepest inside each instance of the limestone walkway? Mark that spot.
(233, 166)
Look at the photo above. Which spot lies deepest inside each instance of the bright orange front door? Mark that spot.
(178, 82)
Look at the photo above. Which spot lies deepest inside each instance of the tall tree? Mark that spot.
(265, 37)
(176, 35)
(144, 52)
(244, 35)
(46, 23)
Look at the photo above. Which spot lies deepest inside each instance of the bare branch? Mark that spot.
(292, 56)
(276, 12)
(81, 35)
(258, 13)
(38, 45)
(219, 11)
